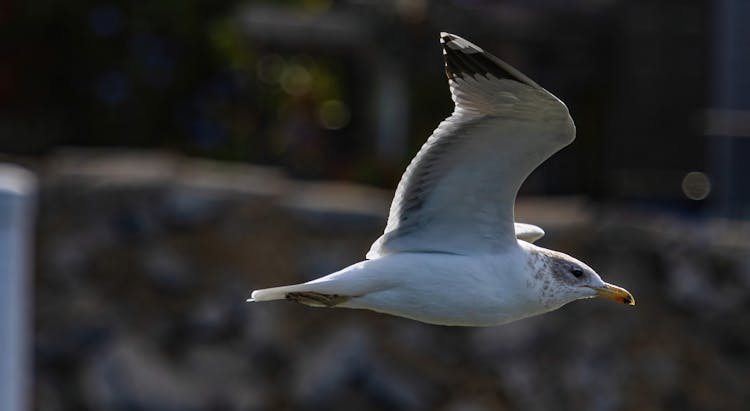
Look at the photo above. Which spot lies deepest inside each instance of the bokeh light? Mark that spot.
(295, 80)
(334, 114)
(696, 185)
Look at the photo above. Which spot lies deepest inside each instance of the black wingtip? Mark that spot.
(446, 37)
(465, 58)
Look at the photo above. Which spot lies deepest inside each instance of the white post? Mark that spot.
(17, 209)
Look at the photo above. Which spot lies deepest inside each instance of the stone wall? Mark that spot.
(144, 262)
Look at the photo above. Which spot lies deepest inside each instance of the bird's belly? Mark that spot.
(470, 302)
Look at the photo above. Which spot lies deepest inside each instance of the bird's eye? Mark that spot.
(577, 272)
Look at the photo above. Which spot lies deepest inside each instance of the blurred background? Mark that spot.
(186, 152)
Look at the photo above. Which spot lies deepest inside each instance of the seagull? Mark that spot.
(451, 253)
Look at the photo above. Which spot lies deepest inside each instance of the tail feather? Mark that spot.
(300, 293)
(329, 290)
(276, 293)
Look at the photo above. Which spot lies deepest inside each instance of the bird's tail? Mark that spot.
(331, 290)
(276, 293)
(300, 293)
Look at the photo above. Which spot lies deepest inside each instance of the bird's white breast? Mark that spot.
(451, 289)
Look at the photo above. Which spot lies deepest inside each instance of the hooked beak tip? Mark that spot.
(613, 292)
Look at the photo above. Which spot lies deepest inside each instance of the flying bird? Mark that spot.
(451, 252)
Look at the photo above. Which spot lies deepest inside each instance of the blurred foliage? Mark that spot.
(122, 72)
(313, 85)
(167, 74)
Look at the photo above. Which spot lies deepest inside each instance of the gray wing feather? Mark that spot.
(457, 194)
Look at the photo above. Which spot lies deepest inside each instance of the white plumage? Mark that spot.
(451, 252)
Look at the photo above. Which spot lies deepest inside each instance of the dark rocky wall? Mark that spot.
(144, 264)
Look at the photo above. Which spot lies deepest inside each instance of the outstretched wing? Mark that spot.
(457, 194)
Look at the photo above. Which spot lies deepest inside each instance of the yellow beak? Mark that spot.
(613, 292)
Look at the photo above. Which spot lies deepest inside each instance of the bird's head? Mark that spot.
(571, 279)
